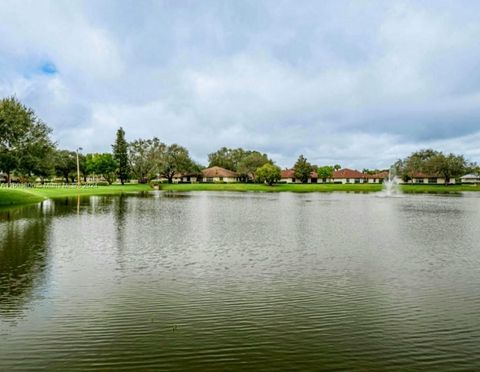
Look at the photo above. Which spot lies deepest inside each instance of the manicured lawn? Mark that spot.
(314, 188)
(438, 189)
(16, 196)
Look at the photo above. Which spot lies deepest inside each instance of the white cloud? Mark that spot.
(350, 83)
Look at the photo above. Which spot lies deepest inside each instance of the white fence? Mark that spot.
(49, 186)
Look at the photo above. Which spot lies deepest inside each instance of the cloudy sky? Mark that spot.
(360, 83)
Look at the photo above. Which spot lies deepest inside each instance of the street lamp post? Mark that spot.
(78, 167)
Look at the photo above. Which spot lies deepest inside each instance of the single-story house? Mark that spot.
(349, 176)
(288, 176)
(471, 178)
(185, 177)
(378, 177)
(219, 174)
(430, 179)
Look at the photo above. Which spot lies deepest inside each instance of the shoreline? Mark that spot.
(10, 197)
(309, 188)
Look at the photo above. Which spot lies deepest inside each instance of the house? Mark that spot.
(430, 179)
(219, 174)
(378, 177)
(288, 176)
(471, 178)
(346, 175)
(185, 177)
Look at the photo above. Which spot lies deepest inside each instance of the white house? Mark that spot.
(471, 178)
(219, 174)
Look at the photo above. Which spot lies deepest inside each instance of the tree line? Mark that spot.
(27, 151)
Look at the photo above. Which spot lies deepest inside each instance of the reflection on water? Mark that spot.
(234, 281)
(23, 250)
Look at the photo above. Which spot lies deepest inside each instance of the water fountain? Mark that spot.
(391, 186)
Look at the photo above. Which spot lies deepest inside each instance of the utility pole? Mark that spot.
(78, 167)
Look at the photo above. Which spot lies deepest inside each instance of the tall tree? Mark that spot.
(24, 139)
(302, 169)
(120, 153)
(144, 157)
(448, 166)
(174, 159)
(65, 164)
(248, 166)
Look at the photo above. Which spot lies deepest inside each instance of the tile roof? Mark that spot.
(219, 172)
(290, 173)
(348, 173)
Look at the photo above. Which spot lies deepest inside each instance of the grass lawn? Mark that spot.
(16, 196)
(314, 188)
(264, 188)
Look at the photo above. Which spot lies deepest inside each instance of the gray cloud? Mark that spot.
(361, 84)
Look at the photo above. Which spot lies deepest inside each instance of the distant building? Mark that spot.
(219, 174)
(288, 176)
(378, 177)
(428, 179)
(186, 177)
(346, 175)
(471, 178)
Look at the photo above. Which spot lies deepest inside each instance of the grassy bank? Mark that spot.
(302, 188)
(17, 196)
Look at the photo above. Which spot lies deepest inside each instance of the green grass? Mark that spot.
(17, 196)
(302, 188)
(10, 197)
(437, 189)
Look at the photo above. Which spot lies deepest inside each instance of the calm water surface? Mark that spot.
(227, 281)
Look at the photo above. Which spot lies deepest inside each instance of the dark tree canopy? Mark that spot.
(120, 153)
(174, 159)
(431, 163)
(244, 162)
(302, 169)
(25, 144)
(144, 157)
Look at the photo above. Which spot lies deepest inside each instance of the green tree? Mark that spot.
(106, 165)
(325, 171)
(268, 173)
(120, 153)
(337, 167)
(144, 157)
(302, 169)
(226, 158)
(174, 159)
(24, 139)
(248, 166)
(431, 162)
(65, 164)
(449, 166)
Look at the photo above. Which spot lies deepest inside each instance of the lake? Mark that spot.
(229, 281)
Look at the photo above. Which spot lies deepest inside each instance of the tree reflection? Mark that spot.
(23, 252)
